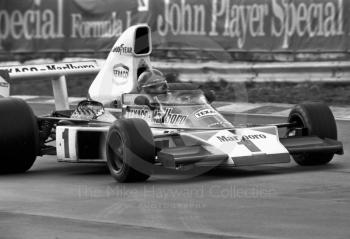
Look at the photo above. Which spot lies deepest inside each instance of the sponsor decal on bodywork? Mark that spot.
(238, 138)
(121, 73)
(205, 113)
(122, 49)
(50, 67)
(158, 116)
(247, 142)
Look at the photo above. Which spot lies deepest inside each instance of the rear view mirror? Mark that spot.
(142, 41)
(144, 101)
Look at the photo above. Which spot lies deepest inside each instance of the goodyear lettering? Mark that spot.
(224, 139)
(122, 49)
(157, 116)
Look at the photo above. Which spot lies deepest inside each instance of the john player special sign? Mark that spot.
(235, 25)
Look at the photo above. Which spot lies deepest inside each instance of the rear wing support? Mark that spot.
(59, 87)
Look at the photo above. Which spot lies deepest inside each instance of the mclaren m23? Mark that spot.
(136, 132)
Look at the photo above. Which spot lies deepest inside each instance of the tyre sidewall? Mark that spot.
(138, 148)
(320, 122)
(19, 138)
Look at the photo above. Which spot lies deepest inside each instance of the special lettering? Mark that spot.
(32, 24)
(243, 21)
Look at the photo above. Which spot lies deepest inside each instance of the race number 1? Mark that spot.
(65, 136)
(249, 145)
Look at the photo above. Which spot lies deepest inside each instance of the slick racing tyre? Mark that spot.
(19, 136)
(319, 121)
(130, 150)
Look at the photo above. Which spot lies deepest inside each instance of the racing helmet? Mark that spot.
(152, 82)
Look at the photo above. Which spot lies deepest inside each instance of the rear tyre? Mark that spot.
(319, 121)
(130, 150)
(19, 136)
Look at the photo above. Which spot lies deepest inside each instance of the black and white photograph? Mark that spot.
(174, 119)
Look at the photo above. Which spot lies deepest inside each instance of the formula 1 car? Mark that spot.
(137, 132)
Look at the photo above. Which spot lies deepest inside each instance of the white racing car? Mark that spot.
(136, 132)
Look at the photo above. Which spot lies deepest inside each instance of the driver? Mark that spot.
(152, 82)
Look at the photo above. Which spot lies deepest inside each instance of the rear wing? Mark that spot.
(57, 72)
(129, 56)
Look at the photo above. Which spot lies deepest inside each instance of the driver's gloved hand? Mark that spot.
(210, 96)
(160, 116)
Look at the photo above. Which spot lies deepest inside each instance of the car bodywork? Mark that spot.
(187, 130)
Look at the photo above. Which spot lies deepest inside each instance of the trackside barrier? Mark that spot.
(261, 72)
(232, 72)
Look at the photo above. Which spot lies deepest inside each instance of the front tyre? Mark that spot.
(19, 136)
(318, 120)
(130, 150)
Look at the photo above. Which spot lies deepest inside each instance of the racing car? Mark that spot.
(136, 132)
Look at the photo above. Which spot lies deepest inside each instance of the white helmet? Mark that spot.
(152, 82)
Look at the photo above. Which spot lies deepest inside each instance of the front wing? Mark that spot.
(240, 147)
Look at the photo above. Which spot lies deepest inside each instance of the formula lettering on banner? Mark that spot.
(110, 28)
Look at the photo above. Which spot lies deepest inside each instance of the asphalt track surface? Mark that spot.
(57, 200)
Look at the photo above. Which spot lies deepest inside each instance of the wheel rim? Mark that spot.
(116, 151)
(296, 119)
